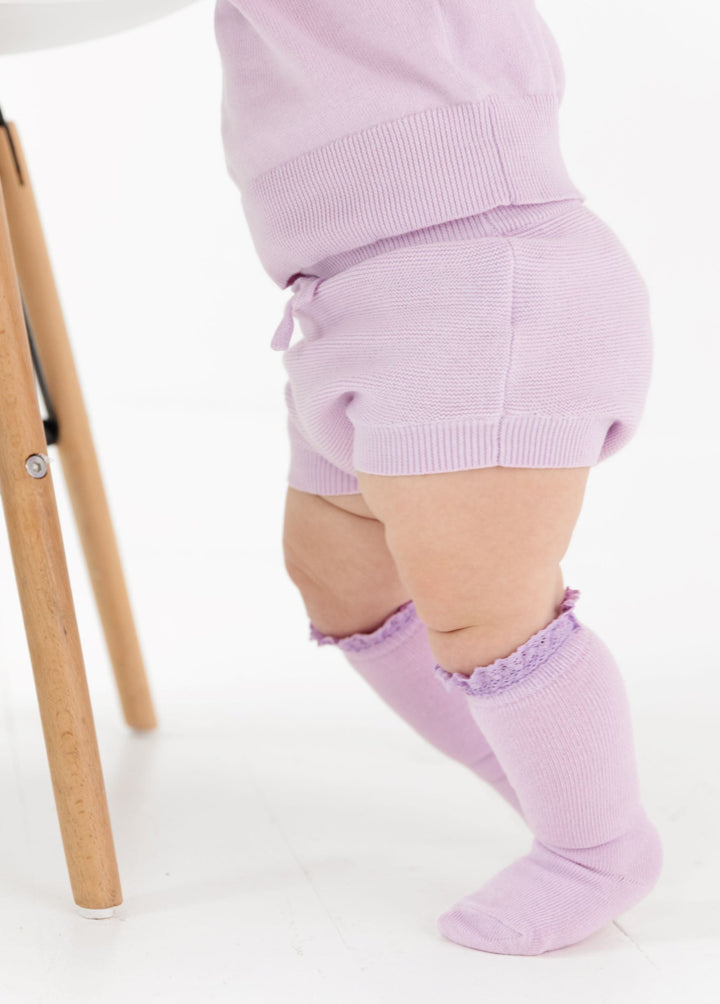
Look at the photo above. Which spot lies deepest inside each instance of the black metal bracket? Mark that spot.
(52, 428)
(4, 125)
(51, 424)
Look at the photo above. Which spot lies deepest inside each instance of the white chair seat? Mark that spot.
(27, 25)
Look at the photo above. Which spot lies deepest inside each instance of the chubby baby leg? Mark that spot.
(335, 553)
(479, 553)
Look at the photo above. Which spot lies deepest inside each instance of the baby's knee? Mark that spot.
(495, 630)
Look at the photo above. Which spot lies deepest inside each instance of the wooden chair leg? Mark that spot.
(41, 573)
(75, 444)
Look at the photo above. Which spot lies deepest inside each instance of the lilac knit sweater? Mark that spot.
(346, 122)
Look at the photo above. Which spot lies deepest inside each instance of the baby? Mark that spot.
(474, 340)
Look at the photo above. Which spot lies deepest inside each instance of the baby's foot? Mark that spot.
(551, 898)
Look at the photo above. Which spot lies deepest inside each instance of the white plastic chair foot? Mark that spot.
(85, 911)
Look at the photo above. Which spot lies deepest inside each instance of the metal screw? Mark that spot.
(37, 465)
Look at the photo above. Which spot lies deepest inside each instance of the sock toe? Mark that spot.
(474, 928)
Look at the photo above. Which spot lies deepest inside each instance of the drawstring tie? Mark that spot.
(303, 291)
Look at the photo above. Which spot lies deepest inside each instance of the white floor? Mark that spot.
(283, 836)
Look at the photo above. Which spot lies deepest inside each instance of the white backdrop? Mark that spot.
(283, 829)
(170, 315)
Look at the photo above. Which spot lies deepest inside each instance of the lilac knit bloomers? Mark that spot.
(519, 337)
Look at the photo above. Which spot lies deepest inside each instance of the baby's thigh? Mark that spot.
(479, 550)
(340, 562)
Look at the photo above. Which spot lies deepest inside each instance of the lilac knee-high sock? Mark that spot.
(556, 714)
(397, 661)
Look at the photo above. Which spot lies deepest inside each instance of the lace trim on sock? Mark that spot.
(511, 669)
(357, 642)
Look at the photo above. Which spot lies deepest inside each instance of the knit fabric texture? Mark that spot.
(527, 343)
(563, 735)
(343, 122)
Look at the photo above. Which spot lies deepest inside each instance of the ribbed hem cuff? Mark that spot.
(509, 441)
(436, 165)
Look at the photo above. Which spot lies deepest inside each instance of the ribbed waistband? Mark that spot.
(501, 220)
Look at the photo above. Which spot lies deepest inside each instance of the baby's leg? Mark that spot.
(479, 551)
(339, 561)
